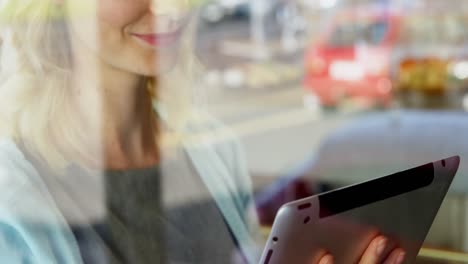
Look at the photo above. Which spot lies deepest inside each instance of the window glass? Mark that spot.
(172, 131)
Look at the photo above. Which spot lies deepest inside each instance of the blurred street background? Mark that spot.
(270, 86)
(315, 88)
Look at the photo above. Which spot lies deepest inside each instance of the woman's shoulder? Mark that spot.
(31, 226)
(15, 170)
(23, 194)
(220, 151)
(219, 147)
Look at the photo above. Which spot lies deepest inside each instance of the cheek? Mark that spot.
(119, 13)
(105, 19)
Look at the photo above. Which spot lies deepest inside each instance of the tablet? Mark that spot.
(401, 206)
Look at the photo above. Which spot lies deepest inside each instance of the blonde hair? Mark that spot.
(35, 105)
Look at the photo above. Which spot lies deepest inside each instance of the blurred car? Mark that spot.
(352, 57)
(378, 54)
(432, 56)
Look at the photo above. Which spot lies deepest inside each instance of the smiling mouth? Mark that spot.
(160, 39)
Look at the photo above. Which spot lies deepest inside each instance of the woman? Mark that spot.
(89, 172)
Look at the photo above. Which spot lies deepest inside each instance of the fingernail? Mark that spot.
(328, 260)
(381, 247)
(400, 258)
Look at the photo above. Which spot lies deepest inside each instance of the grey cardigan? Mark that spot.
(25, 200)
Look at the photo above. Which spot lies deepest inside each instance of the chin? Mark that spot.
(152, 62)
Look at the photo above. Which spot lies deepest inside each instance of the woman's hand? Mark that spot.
(373, 254)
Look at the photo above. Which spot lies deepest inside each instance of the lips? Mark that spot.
(160, 39)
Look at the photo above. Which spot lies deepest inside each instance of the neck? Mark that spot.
(116, 105)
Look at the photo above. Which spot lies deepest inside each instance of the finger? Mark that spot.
(375, 250)
(327, 259)
(318, 258)
(396, 257)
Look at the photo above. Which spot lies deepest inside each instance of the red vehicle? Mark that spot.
(353, 58)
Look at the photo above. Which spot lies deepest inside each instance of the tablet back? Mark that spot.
(401, 206)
